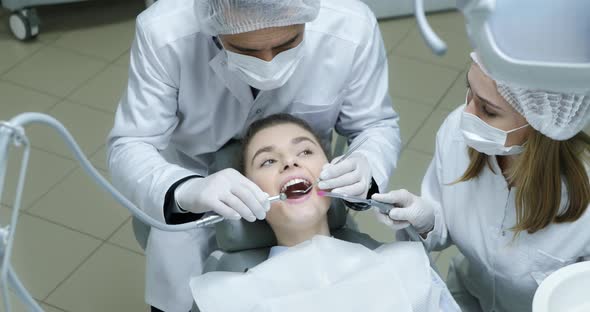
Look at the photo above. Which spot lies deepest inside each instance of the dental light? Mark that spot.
(536, 44)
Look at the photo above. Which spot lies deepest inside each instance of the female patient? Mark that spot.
(281, 154)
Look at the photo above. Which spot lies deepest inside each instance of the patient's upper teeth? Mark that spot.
(292, 182)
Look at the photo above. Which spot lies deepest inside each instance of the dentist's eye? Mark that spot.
(268, 163)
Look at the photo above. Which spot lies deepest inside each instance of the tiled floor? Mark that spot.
(74, 247)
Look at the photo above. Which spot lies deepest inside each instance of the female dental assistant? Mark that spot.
(509, 187)
(202, 71)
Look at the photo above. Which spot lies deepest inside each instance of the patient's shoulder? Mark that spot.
(405, 253)
(353, 236)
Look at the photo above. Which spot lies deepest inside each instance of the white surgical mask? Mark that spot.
(265, 75)
(486, 139)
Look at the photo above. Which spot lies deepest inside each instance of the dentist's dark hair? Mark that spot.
(271, 121)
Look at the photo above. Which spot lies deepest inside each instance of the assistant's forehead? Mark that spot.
(477, 75)
(487, 87)
(483, 84)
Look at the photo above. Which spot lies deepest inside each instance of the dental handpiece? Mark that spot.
(280, 197)
(215, 218)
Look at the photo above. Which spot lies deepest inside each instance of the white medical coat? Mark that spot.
(501, 272)
(182, 104)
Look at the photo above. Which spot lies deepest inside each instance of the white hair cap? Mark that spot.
(223, 17)
(559, 116)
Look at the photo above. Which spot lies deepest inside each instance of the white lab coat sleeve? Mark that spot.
(438, 238)
(367, 110)
(144, 122)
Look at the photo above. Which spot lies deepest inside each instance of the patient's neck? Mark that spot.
(291, 236)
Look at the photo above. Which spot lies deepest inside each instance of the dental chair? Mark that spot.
(243, 245)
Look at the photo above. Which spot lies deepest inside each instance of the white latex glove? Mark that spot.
(227, 193)
(385, 219)
(351, 177)
(412, 209)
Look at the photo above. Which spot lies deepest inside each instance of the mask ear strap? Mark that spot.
(467, 96)
(523, 126)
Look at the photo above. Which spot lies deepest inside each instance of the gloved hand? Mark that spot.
(412, 209)
(351, 177)
(227, 193)
(385, 219)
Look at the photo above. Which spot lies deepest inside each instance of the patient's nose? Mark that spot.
(290, 163)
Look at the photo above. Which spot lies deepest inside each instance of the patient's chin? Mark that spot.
(313, 204)
(306, 214)
(304, 220)
(299, 214)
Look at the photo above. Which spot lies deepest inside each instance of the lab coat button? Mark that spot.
(258, 111)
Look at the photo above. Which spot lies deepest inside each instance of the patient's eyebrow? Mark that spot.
(271, 148)
(266, 149)
(300, 139)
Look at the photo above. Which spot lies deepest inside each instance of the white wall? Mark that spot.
(391, 8)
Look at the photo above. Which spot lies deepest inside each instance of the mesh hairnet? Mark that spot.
(559, 116)
(219, 17)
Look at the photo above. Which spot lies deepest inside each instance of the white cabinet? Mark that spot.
(392, 8)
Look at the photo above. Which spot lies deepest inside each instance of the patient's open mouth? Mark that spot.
(295, 188)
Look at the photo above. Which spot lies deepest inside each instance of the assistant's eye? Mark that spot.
(483, 107)
(488, 112)
(268, 163)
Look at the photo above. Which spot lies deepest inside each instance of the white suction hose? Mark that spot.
(12, 133)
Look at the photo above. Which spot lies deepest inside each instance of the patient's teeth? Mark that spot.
(292, 182)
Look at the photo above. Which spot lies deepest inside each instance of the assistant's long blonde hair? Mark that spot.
(537, 175)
